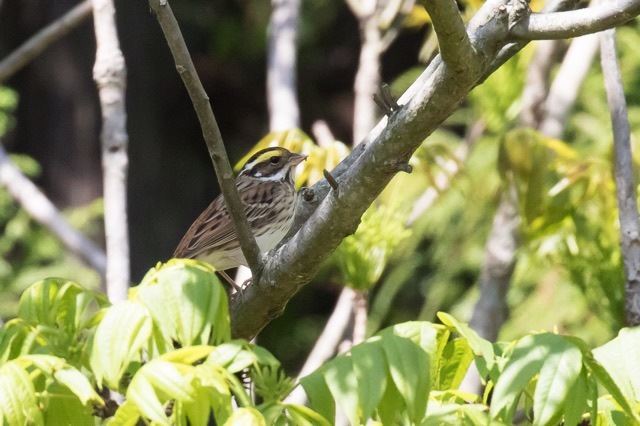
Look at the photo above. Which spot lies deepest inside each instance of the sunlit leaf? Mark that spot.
(187, 301)
(369, 364)
(246, 416)
(118, 340)
(557, 376)
(409, 368)
(343, 384)
(18, 402)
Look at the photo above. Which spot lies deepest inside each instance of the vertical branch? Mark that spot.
(109, 72)
(566, 85)
(284, 112)
(367, 79)
(625, 186)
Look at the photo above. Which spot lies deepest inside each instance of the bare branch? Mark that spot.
(40, 41)
(366, 171)
(423, 107)
(455, 47)
(284, 112)
(566, 84)
(607, 14)
(210, 131)
(625, 186)
(536, 84)
(39, 207)
(109, 72)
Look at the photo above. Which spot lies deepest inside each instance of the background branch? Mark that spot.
(109, 72)
(625, 186)
(284, 112)
(567, 83)
(40, 41)
(39, 207)
(210, 131)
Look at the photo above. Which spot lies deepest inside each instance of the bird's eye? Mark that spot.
(274, 160)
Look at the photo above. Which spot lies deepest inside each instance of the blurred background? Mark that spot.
(567, 272)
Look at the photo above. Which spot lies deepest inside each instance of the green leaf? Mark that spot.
(620, 358)
(118, 340)
(576, 404)
(560, 370)
(524, 362)
(246, 416)
(126, 415)
(319, 394)
(18, 402)
(409, 368)
(481, 348)
(370, 366)
(187, 301)
(604, 379)
(454, 364)
(391, 405)
(158, 382)
(63, 408)
(187, 355)
(304, 415)
(64, 374)
(343, 384)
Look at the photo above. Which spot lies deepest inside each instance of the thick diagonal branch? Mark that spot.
(625, 186)
(210, 131)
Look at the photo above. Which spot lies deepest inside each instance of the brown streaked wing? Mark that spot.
(214, 227)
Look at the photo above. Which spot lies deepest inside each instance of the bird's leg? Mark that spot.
(232, 283)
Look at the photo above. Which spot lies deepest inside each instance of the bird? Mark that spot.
(266, 186)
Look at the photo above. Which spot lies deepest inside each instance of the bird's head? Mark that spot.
(275, 164)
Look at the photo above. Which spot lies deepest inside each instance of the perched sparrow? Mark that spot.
(267, 190)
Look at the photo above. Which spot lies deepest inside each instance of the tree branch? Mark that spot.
(625, 186)
(284, 112)
(39, 207)
(41, 40)
(455, 47)
(109, 72)
(607, 14)
(566, 85)
(423, 107)
(210, 131)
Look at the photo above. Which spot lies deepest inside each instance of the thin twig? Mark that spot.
(625, 186)
(40, 208)
(43, 38)
(210, 131)
(548, 26)
(110, 75)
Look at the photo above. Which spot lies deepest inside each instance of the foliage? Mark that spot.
(168, 350)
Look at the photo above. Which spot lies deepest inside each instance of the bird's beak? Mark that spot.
(296, 159)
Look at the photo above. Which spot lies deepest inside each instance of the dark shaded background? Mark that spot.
(171, 178)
